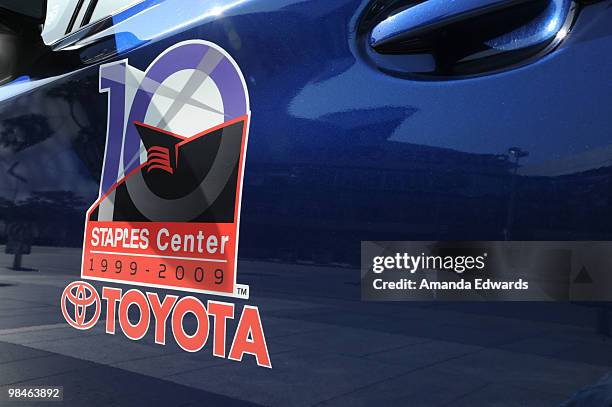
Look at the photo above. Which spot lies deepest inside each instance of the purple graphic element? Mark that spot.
(116, 112)
(229, 83)
(187, 56)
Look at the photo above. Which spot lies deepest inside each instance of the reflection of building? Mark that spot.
(55, 218)
(397, 191)
(576, 206)
(586, 161)
(408, 192)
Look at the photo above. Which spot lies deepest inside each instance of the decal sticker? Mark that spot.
(169, 205)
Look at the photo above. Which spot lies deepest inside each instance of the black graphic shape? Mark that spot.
(179, 171)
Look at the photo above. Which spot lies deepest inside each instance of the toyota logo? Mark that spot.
(81, 295)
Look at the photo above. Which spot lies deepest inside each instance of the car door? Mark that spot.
(394, 143)
(370, 121)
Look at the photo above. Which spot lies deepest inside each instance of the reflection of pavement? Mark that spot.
(326, 346)
(92, 384)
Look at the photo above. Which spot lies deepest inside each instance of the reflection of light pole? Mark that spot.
(18, 250)
(19, 178)
(517, 153)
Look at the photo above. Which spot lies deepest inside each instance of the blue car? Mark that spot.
(292, 132)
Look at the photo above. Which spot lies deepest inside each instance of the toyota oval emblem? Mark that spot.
(81, 295)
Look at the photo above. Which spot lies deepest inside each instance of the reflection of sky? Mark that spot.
(21, 85)
(156, 19)
(25, 84)
(556, 107)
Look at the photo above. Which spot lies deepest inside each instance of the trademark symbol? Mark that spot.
(242, 291)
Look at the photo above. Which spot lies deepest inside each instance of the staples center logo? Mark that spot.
(168, 211)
